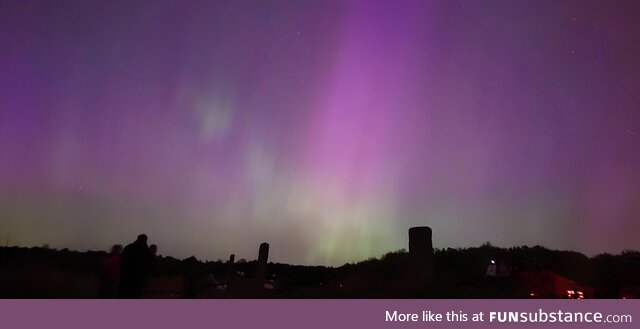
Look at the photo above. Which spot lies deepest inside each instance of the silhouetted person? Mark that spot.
(153, 264)
(153, 249)
(110, 273)
(136, 262)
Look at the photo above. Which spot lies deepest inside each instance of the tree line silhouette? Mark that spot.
(457, 273)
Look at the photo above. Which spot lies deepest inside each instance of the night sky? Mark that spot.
(326, 128)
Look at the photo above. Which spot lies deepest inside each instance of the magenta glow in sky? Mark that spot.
(324, 128)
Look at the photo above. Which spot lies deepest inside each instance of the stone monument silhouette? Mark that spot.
(263, 257)
(421, 254)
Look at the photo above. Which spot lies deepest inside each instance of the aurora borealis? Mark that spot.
(326, 128)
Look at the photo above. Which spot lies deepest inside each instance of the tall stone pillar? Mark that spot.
(421, 253)
(263, 257)
(231, 268)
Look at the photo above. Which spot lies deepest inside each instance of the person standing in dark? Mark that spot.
(136, 262)
(110, 273)
(154, 250)
(153, 265)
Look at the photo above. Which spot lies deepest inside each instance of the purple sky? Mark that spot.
(326, 128)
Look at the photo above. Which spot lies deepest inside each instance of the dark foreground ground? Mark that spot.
(522, 272)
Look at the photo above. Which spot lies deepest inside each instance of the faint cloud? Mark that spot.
(215, 115)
